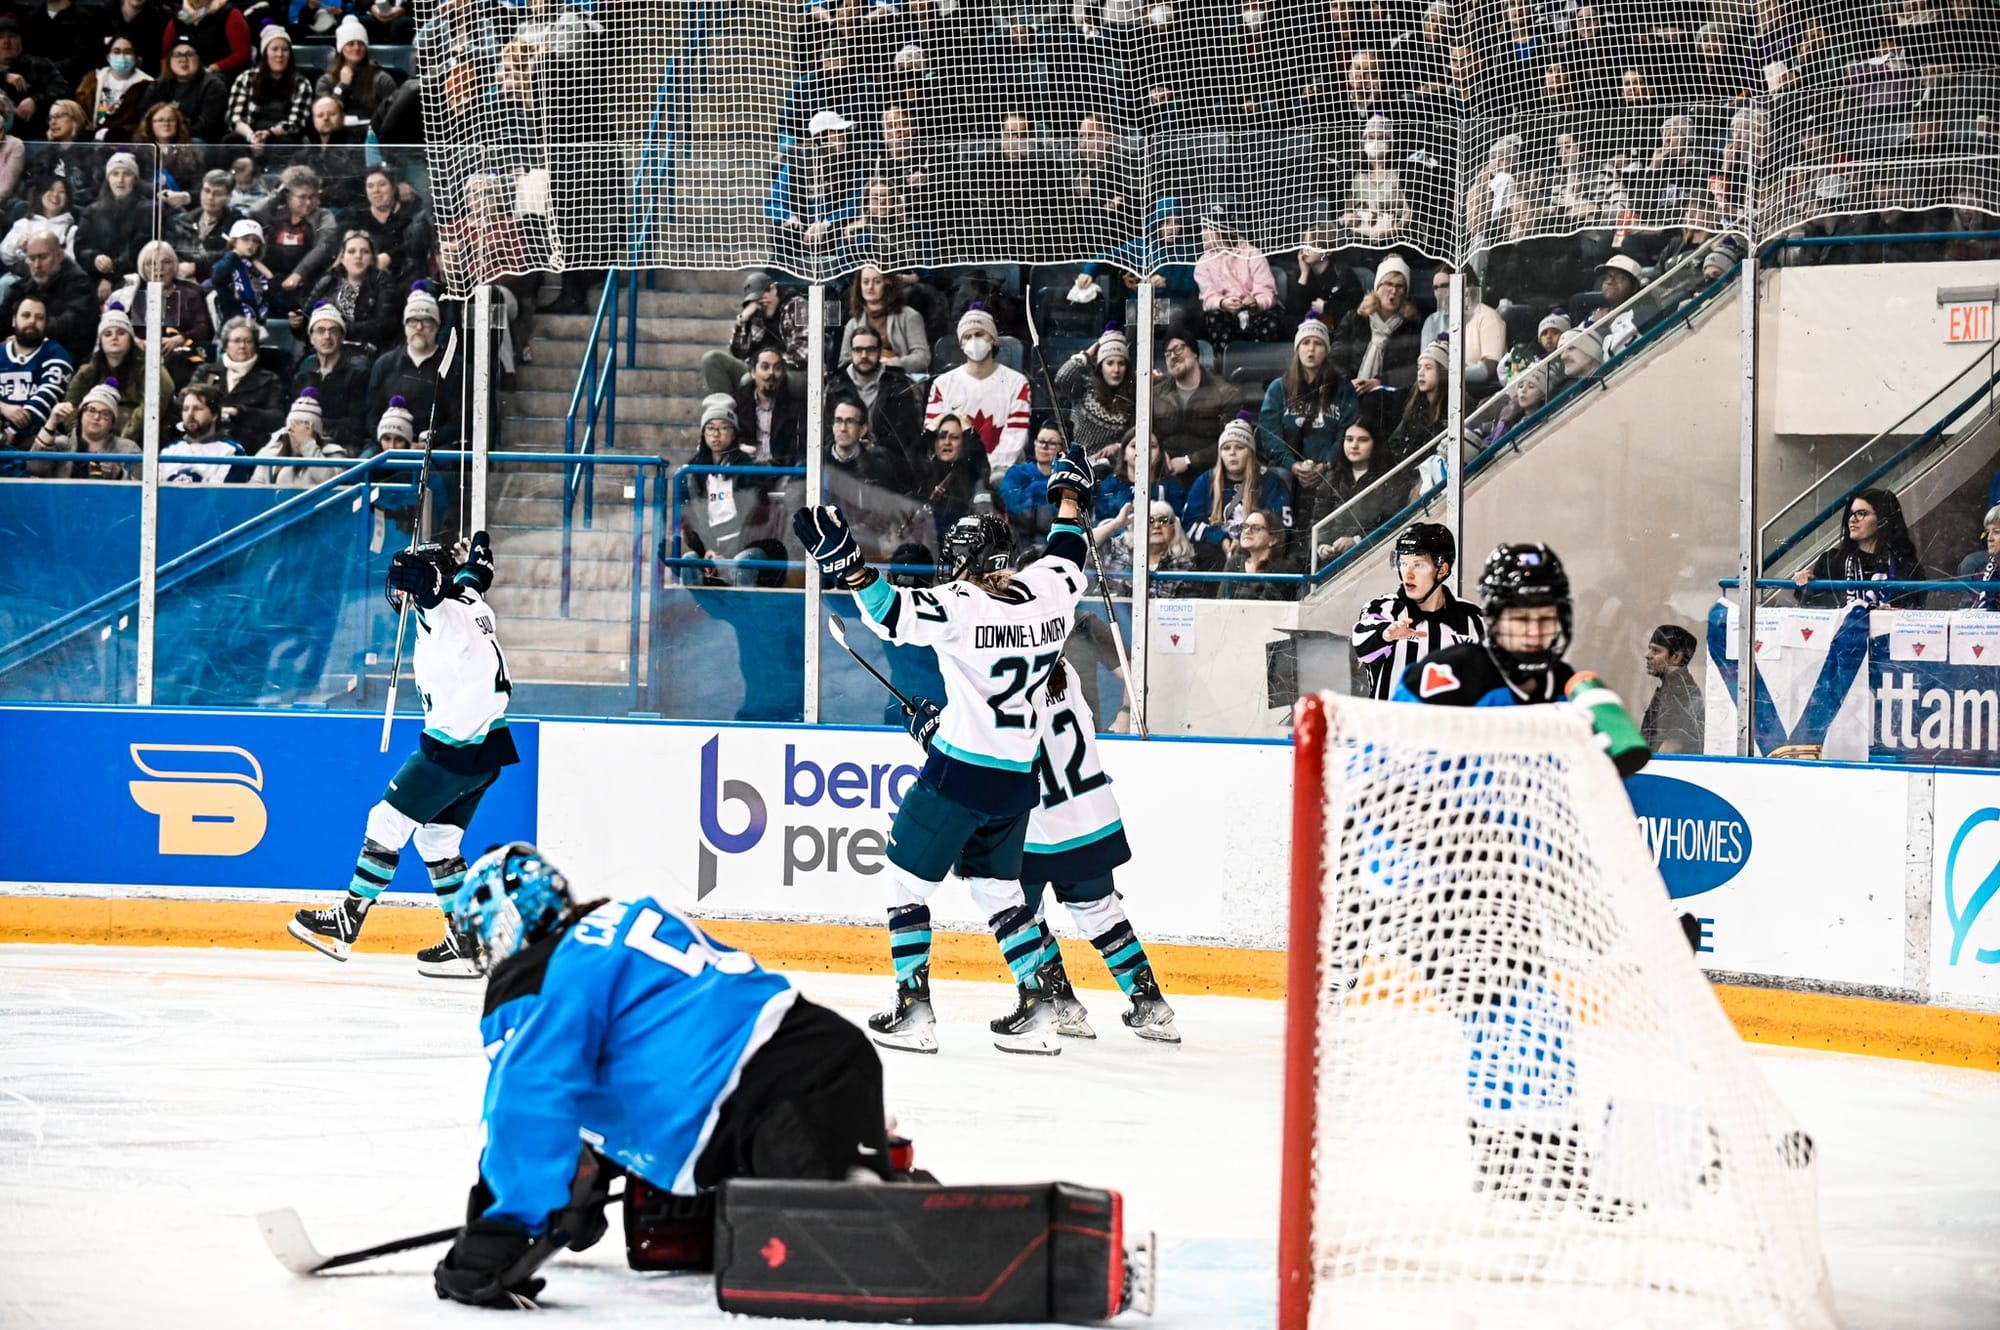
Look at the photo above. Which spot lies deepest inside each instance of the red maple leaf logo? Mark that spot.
(987, 428)
(773, 1253)
(1436, 679)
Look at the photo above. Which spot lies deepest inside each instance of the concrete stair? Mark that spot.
(659, 401)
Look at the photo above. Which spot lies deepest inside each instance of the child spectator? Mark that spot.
(1423, 414)
(241, 282)
(1239, 296)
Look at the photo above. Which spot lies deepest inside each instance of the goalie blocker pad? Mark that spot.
(927, 1255)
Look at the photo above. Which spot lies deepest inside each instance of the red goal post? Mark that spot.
(1510, 1095)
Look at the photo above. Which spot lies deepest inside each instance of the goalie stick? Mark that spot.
(285, 1234)
(417, 536)
(838, 628)
(1096, 560)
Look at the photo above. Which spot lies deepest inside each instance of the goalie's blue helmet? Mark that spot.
(512, 898)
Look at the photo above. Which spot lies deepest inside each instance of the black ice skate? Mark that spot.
(909, 1025)
(1150, 1017)
(331, 930)
(449, 959)
(1072, 1017)
(1031, 1026)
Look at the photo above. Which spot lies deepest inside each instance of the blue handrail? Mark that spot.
(1838, 584)
(280, 516)
(1792, 541)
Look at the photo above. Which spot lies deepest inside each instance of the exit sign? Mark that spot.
(1969, 322)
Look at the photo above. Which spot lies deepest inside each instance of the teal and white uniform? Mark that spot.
(969, 809)
(1076, 832)
(1076, 837)
(462, 676)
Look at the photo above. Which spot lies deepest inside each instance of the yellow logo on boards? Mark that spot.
(202, 812)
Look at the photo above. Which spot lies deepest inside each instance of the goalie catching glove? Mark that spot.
(1071, 474)
(825, 534)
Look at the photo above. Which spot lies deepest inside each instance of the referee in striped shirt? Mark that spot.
(1421, 616)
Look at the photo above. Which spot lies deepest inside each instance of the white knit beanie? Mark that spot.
(1111, 345)
(327, 312)
(114, 316)
(1556, 320)
(1240, 430)
(104, 394)
(1312, 327)
(306, 408)
(350, 30)
(422, 304)
(976, 319)
(397, 422)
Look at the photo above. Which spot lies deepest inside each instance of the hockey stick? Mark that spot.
(1096, 559)
(416, 538)
(839, 631)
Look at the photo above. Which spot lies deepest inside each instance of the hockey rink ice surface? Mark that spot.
(152, 1101)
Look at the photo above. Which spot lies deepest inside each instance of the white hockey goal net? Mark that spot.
(1511, 1098)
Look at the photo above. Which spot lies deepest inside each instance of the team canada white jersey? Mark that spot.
(995, 653)
(459, 668)
(1077, 807)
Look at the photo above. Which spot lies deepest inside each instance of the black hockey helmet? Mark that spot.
(1428, 538)
(1524, 577)
(978, 544)
(439, 556)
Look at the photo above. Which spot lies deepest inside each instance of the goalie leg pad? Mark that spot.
(1047, 1253)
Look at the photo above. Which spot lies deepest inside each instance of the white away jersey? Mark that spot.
(1078, 808)
(995, 653)
(459, 668)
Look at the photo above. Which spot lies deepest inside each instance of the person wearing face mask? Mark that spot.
(112, 96)
(990, 398)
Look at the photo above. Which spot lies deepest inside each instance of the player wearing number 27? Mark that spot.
(998, 635)
(462, 677)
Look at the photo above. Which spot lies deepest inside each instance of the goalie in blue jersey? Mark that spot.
(680, 1061)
